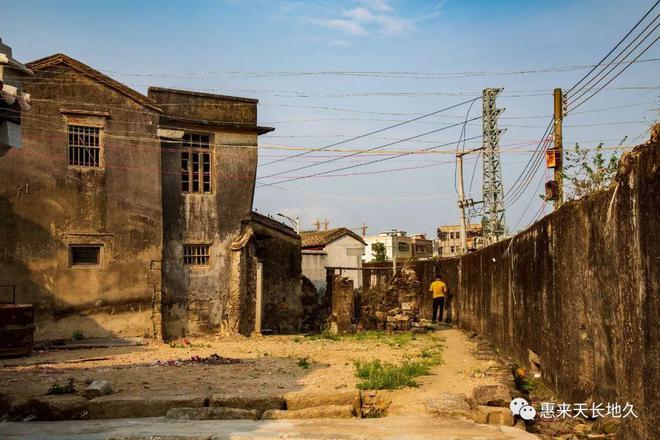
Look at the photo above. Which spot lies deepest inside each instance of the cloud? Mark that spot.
(368, 18)
(377, 5)
(348, 27)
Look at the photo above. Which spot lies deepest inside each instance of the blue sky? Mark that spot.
(195, 44)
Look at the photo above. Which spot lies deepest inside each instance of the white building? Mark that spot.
(339, 247)
(396, 243)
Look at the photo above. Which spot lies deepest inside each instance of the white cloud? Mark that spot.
(377, 5)
(348, 27)
(371, 17)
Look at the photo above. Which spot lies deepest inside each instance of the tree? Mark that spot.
(378, 252)
(588, 171)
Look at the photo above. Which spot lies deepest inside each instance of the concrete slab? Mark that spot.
(389, 428)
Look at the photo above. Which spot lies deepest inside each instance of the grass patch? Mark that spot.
(393, 340)
(56, 388)
(77, 335)
(377, 375)
(185, 343)
(303, 363)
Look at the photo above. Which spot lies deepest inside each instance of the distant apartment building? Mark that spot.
(397, 244)
(421, 246)
(449, 239)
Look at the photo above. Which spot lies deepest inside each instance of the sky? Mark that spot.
(327, 71)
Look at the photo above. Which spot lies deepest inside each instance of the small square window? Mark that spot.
(196, 254)
(85, 255)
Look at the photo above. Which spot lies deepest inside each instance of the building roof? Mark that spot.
(315, 239)
(204, 94)
(217, 124)
(272, 223)
(60, 58)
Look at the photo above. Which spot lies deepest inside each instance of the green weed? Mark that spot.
(377, 375)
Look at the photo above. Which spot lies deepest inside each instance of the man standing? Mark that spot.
(439, 289)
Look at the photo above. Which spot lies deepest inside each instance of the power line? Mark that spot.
(372, 132)
(584, 89)
(595, 66)
(363, 164)
(614, 77)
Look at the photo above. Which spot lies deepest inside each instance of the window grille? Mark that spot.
(84, 146)
(196, 254)
(196, 163)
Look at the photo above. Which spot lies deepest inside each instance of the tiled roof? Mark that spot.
(311, 239)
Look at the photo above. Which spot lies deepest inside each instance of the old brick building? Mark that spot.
(129, 215)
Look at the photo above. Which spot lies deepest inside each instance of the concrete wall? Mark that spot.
(278, 249)
(196, 299)
(313, 266)
(580, 288)
(45, 206)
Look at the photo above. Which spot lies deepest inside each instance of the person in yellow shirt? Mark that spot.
(439, 289)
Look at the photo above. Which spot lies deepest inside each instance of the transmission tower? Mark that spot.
(493, 189)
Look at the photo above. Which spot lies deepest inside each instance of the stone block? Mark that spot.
(259, 403)
(448, 405)
(492, 395)
(216, 413)
(493, 415)
(317, 412)
(58, 407)
(119, 406)
(98, 388)
(309, 399)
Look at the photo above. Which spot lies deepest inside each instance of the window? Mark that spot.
(453, 249)
(196, 163)
(196, 254)
(403, 247)
(458, 234)
(84, 146)
(443, 236)
(85, 255)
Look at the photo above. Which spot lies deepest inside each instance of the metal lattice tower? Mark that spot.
(493, 189)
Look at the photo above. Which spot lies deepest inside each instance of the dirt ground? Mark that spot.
(268, 365)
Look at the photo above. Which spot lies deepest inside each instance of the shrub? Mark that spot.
(303, 363)
(78, 335)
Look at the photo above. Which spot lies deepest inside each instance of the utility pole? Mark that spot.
(461, 202)
(317, 224)
(493, 189)
(364, 229)
(559, 148)
(395, 243)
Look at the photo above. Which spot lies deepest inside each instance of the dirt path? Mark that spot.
(460, 373)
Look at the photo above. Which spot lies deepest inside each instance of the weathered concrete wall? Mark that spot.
(45, 206)
(196, 299)
(278, 249)
(580, 288)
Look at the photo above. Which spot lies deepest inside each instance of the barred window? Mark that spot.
(196, 254)
(84, 146)
(196, 163)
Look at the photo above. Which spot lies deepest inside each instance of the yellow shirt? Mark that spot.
(439, 289)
